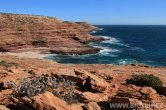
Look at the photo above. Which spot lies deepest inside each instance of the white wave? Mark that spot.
(137, 48)
(105, 51)
(93, 32)
(108, 54)
(112, 40)
(126, 61)
(108, 50)
(100, 29)
(106, 37)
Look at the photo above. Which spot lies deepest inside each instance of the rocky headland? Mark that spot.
(38, 84)
(45, 34)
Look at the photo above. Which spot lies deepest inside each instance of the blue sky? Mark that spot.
(93, 11)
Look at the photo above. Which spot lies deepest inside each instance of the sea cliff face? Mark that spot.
(46, 34)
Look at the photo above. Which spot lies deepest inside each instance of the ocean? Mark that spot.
(126, 44)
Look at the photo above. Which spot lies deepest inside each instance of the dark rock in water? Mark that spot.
(77, 51)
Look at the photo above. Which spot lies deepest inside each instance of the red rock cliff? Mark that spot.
(45, 33)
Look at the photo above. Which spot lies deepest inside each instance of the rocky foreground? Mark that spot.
(45, 34)
(33, 84)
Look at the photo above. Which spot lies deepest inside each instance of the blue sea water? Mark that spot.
(126, 44)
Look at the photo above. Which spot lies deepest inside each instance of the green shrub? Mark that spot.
(144, 80)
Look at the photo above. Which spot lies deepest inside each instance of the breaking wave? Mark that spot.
(137, 48)
(115, 41)
(93, 32)
(126, 61)
(100, 29)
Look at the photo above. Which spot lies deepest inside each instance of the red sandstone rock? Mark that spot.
(2, 107)
(47, 34)
(47, 101)
(125, 100)
(148, 90)
(92, 81)
(92, 106)
(115, 87)
(149, 93)
(93, 97)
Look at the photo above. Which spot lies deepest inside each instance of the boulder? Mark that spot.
(96, 84)
(148, 93)
(92, 82)
(130, 91)
(148, 90)
(87, 81)
(135, 103)
(130, 94)
(91, 106)
(47, 101)
(93, 97)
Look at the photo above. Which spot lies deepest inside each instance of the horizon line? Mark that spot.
(133, 24)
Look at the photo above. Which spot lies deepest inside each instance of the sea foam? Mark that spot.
(100, 29)
(93, 32)
(126, 61)
(113, 40)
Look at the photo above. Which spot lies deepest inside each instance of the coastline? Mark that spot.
(28, 81)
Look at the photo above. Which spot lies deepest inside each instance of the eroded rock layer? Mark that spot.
(47, 34)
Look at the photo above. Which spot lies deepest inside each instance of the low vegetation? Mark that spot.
(144, 80)
(60, 87)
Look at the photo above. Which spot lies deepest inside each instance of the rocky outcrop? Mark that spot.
(92, 97)
(92, 82)
(40, 84)
(87, 81)
(125, 100)
(148, 93)
(46, 101)
(46, 34)
(92, 106)
(136, 97)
